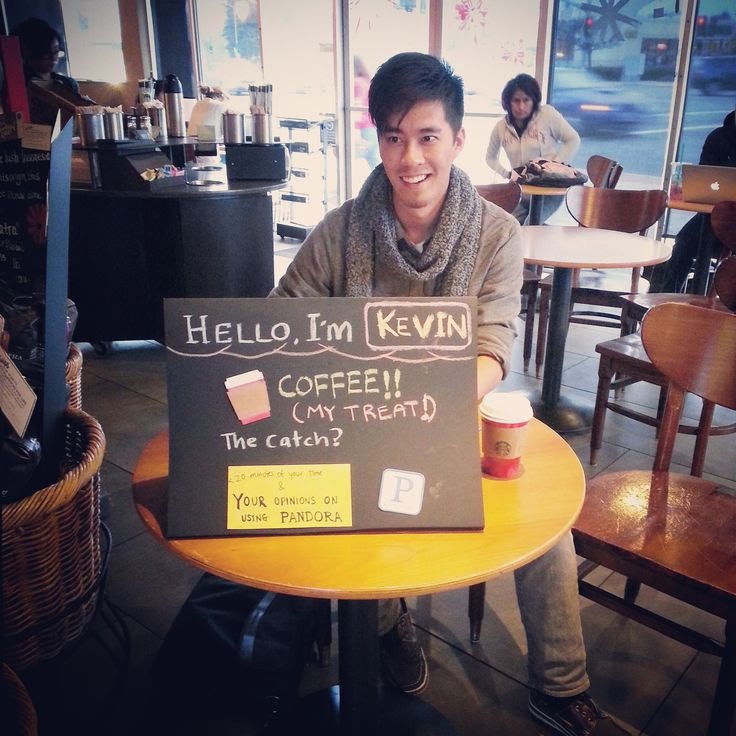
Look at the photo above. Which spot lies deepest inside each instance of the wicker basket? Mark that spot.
(51, 553)
(74, 376)
(18, 716)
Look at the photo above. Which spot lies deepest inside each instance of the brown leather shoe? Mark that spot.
(404, 663)
(578, 716)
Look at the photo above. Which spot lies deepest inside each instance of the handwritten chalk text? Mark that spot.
(330, 384)
(409, 325)
(330, 438)
(201, 332)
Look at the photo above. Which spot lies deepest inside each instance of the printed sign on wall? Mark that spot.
(322, 415)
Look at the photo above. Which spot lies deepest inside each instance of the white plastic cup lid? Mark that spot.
(510, 408)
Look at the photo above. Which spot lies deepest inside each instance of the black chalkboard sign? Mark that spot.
(322, 415)
(34, 239)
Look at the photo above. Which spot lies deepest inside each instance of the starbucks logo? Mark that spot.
(503, 449)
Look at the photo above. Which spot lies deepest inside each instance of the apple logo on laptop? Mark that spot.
(715, 186)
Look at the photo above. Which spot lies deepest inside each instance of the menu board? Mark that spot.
(322, 415)
(24, 175)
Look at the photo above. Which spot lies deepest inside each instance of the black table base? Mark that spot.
(397, 715)
(361, 705)
(566, 416)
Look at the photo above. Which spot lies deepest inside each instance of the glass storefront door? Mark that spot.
(710, 94)
(613, 71)
(614, 66)
(711, 87)
(377, 29)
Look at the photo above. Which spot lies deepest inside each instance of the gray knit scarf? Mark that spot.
(449, 255)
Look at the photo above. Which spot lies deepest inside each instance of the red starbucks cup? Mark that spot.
(504, 419)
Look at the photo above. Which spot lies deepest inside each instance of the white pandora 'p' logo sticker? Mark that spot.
(402, 491)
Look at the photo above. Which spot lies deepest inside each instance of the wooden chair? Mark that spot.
(625, 361)
(635, 306)
(603, 172)
(507, 196)
(671, 531)
(624, 210)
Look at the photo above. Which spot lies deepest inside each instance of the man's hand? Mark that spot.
(490, 374)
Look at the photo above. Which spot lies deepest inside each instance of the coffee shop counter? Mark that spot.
(129, 250)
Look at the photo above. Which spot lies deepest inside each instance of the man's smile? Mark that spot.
(416, 179)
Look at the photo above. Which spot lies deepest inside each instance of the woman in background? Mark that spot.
(530, 130)
(41, 48)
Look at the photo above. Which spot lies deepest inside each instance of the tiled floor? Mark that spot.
(651, 683)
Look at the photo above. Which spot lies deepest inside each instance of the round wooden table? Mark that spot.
(567, 247)
(524, 518)
(701, 268)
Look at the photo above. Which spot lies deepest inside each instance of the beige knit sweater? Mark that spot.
(318, 269)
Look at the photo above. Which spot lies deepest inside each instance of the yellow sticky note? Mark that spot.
(289, 496)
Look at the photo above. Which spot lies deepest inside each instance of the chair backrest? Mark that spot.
(723, 224)
(625, 210)
(695, 348)
(603, 172)
(614, 176)
(506, 195)
(724, 283)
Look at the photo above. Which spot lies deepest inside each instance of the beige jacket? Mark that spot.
(318, 269)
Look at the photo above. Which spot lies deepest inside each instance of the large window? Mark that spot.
(288, 45)
(711, 84)
(378, 29)
(229, 44)
(487, 42)
(472, 35)
(613, 71)
(613, 77)
(93, 39)
(711, 89)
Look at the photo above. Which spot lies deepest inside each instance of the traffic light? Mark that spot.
(588, 27)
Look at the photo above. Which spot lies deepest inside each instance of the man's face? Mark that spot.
(521, 106)
(417, 153)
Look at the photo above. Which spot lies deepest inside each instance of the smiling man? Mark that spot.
(419, 228)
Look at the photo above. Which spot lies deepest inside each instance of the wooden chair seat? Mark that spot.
(624, 361)
(671, 531)
(664, 526)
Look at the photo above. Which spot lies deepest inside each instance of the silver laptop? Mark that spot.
(708, 184)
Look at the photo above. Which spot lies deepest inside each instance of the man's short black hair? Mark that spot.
(527, 84)
(409, 78)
